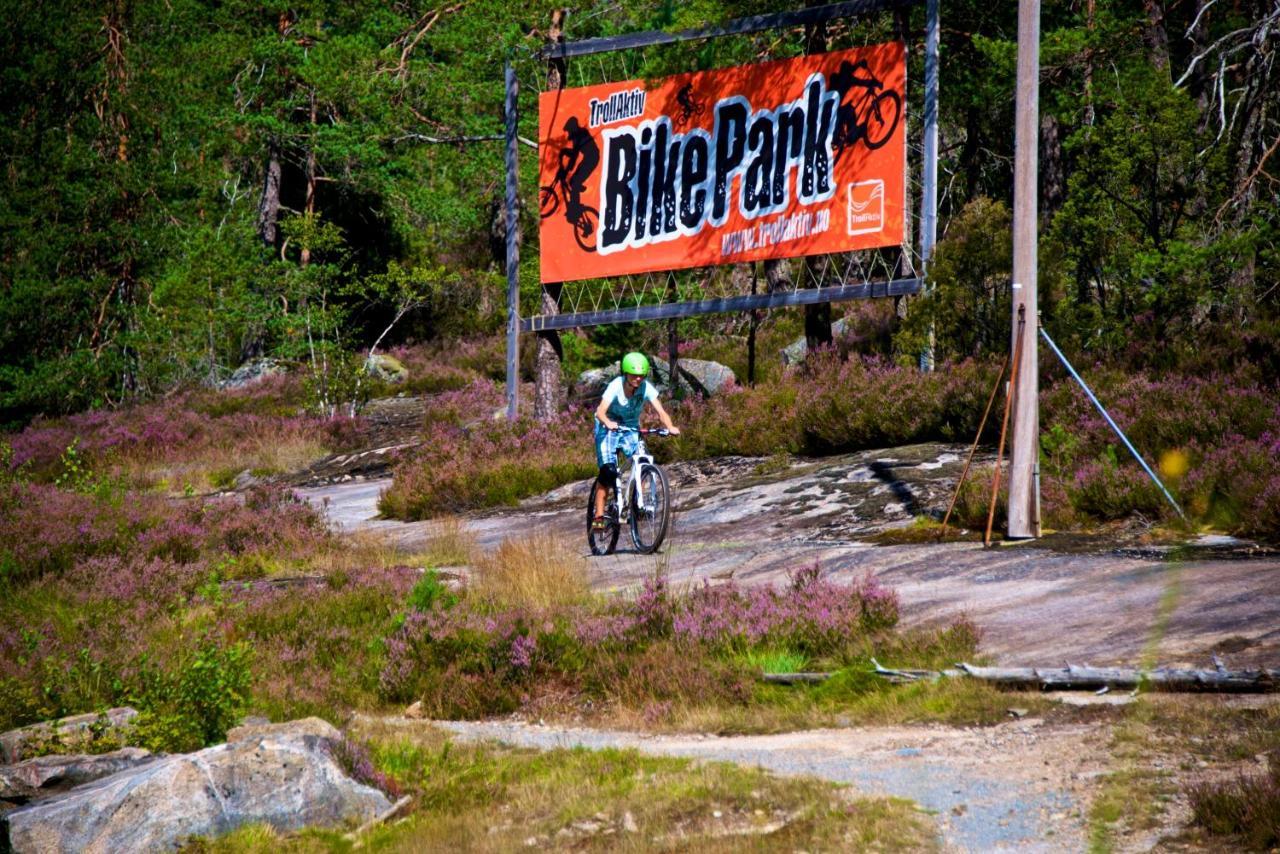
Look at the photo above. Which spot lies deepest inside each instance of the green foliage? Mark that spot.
(967, 305)
(76, 475)
(430, 592)
(193, 703)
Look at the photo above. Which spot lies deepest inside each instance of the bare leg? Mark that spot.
(599, 494)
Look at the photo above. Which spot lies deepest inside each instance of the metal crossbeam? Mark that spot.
(753, 24)
(803, 296)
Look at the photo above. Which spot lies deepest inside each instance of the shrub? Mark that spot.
(354, 757)
(1237, 485)
(465, 463)
(657, 647)
(537, 572)
(1247, 806)
(193, 704)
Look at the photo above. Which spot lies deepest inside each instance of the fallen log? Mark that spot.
(1074, 678)
(1085, 678)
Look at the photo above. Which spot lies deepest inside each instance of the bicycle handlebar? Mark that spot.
(644, 431)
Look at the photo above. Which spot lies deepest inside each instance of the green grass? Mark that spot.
(775, 660)
(485, 798)
(1164, 744)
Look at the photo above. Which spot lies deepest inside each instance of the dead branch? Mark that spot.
(1248, 181)
(422, 26)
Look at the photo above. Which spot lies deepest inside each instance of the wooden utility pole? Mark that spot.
(1024, 464)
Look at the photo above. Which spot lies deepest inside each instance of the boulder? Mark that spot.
(257, 727)
(282, 775)
(697, 376)
(32, 779)
(795, 352)
(386, 368)
(252, 372)
(75, 733)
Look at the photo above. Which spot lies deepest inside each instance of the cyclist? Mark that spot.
(843, 82)
(577, 162)
(621, 405)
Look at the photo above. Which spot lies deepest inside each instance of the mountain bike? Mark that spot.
(587, 220)
(871, 115)
(645, 505)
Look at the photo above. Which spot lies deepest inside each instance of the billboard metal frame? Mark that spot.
(835, 293)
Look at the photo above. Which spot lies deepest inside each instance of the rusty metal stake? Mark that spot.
(1004, 427)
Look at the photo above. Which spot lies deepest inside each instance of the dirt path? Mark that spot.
(1042, 603)
(1024, 785)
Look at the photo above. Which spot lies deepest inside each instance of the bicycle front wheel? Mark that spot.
(650, 516)
(603, 542)
(883, 118)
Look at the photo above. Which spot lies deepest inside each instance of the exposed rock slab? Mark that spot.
(76, 732)
(44, 776)
(280, 775)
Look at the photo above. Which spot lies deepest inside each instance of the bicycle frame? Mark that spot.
(638, 462)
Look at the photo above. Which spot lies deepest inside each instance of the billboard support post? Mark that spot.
(513, 252)
(929, 168)
(1024, 522)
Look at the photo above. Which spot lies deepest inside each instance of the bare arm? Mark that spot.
(664, 417)
(602, 415)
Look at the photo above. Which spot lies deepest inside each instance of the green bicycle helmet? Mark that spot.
(635, 364)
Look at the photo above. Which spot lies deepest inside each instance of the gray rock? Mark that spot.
(244, 480)
(386, 368)
(258, 727)
(279, 775)
(252, 372)
(75, 733)
(43, 776)
(795, 352)
(697, 376)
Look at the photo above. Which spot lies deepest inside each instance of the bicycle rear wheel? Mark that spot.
(585, 228)
(548, 200)
(650, 518)
(603, 542)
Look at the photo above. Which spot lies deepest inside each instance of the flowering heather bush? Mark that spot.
(103, 595)
(837, 405)
(247, 428)
(429, 372)
(1237, 485)
(317, 647)
(45, 529)
(872, 403)
(470, 660)
(355, 757)
(1222, 427)
(469, 461)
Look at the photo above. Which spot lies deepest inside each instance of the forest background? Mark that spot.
(191, 185)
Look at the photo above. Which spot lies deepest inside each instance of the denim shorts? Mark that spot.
(610, 442)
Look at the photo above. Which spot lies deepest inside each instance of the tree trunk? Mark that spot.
(310, 204)
(1053, 179)
(548, 395)
(1154, 35)
(269, 205)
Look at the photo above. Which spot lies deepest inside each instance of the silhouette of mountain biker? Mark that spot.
(843, 81)
(577, 162)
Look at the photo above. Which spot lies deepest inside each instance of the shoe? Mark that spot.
(597, 524)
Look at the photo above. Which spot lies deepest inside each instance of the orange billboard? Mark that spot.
(801, 156)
